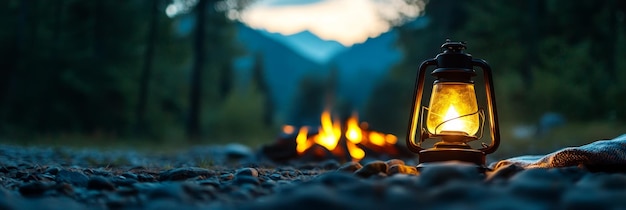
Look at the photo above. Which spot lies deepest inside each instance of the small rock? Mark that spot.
(100, 183)
(276, 177)
(309, 197)
(336, 179)
(402, 180)
(330, 164)
(127, 191)
(52, 170)
(199, 192)
(538, 184)
(401, 196)
(183, 173)
(457, 191)
(129, 175)
(576, 199)
(64, 188)
(284, 183)
(165, 191)
(237, 151)
(226, 177)
(122, 181)
(33, 189)
(603, 182)
(247, 172)
(210, 182)
(402, 169)
(350, 167)
(268, 184)
(435, 174)
(394, 162)
(372, 168)
(73, 177)
(146, 178)
(240, 180)
(101, 172)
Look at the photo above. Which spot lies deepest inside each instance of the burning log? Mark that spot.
(331, 140)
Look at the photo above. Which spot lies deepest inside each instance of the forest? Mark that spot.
(105, 72)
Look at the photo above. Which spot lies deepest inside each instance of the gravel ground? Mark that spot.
(234, 177)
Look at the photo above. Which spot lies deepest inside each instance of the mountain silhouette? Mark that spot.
(284, 67)
(307, 44)
(287, 59)
(362, 66)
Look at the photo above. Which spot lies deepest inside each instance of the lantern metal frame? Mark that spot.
(452, 65)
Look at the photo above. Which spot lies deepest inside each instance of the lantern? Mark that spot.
(453, 115)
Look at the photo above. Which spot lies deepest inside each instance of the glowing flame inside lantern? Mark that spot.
(452, 121)
(330, 134)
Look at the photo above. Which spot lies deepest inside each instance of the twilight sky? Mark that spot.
(346, 21)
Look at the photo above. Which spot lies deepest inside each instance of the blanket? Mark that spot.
(603, 155)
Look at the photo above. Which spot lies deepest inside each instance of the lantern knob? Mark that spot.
(451, 46)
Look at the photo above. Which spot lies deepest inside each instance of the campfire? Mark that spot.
(334, 139)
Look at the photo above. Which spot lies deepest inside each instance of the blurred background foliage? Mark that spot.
(106, 72)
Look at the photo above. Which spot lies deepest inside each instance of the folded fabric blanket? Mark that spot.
(603, 155)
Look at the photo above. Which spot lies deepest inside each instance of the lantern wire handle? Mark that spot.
(459, 117)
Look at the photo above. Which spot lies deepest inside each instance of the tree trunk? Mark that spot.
(98, 31)
(146, 72)
(12, 60)
(199, 52)
(258, 75)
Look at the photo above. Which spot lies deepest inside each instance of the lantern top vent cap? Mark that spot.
(452, 46)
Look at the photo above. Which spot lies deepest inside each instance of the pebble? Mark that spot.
(33, 189)
(33, 178)
(435, 174)
(394, 162)
(100, 183)
(73, 177)
(166, 191)
(350, 167)
(52, 170)
(247, 172)
(538, 184)
(336, 178)
(276, 177)
(237, 151)
(240, 180)
(372, 168)
(183, 173)
(402, 169)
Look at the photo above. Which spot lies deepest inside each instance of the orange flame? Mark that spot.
(301, 143)
(353, 132)
(329, 136)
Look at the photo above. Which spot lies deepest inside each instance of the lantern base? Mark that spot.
(450, 154)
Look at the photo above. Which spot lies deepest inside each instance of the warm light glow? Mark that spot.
(451, 121)
(391, 139)
(355, 152)
(329, 136)
(329, 133)
(377, 138)
(301, 140)
(353, 132)
(288, 129)
(456, 102)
